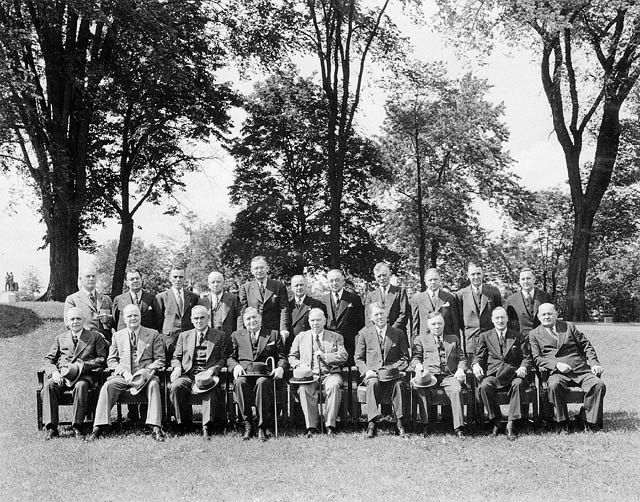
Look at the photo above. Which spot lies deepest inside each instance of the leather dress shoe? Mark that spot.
(495, 431)
(247, 431)
(95, 434)
(371, 430)
(563, 427)
(77, 432)
(459, 433)
(331, 431)
(157, 435)
(589, 427)
(310, 432)
(51, 433)
(401, 429)
(262, 435)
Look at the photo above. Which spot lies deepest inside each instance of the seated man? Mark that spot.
(255, 344)
(559, 348)
(202, 349)
(84, 350)
(440, 357)
(502, 361)
(381, 347)
(323, 353)
(134, 348)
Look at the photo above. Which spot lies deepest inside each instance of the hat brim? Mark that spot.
(201, 390)
(71, 382)
(137, 390)
(432, 383)
(257, 375)
(299, 381)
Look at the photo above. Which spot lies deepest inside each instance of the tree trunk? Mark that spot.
(122, 256)
(63, 228)
(435, 249)
(422, 234)
(578, 264)
(335, 201)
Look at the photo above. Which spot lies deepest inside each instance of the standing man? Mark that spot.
(394, 299)
(526, 302)
(476, 302)
(199, 356)
(255, 344)
(138, 351)
(439, 361)
(561, 349)
(74, 353)
(224, 308)
(382, 347)
(345, 313)
(268, 296)
(502, 361)
(322, 352)
(173, 310)
(300, 307)
(96, 308)
(434, 299)
(136, 296)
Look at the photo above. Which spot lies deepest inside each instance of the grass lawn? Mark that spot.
(538, 466)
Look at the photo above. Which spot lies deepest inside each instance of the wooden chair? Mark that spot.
(532, 398)
(575, 395)
(359, 398)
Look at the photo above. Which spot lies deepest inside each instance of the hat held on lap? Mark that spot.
(71, 373)
(257, 370)
(423, 380)
(204, 382)
(140, 379)
(505, 374)
(389, 373)
(302, 374)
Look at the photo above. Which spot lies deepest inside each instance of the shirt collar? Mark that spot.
(89, 293)
(381, 332)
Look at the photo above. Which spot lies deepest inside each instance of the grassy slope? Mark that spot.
(132, 467)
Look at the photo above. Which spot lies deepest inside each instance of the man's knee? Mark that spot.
(555, 383)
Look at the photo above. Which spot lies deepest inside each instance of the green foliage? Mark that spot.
(30, 284)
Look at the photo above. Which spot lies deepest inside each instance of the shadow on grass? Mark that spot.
(622, 421)
(16, 321)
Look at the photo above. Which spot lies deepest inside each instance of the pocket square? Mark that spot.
(446, 304)
(271, 343)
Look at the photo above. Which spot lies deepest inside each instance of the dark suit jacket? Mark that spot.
(396, 305)
(425, 351)
(516, 352)
(218, 350)
(526, 320)
(421, 307)
(269, 345)
(368, 355)
(300, 317)
(169, 321)
(476, 320)
(347, 319)
(91, 350)
(227, 317)
(571, 347)
(150, 351)
(274, 307)
(146, 309)
(81, 300)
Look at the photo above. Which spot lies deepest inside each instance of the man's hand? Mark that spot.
(238, 371)
(419, 368)
(56, 377)
(459, 375)
(477, 371)
(278, 373)
(521, 372)
(321, 356)
(597, 370)
(563, 367)
(369, 374)
(176, 373)
(127, 376)
(284, 334)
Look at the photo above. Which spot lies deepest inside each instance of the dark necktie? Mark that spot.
(529, 301)
(201, 339)
(383, 297)
(254, 339)
(134, 339)
(92, 296)
(261, 289)
(75, 339)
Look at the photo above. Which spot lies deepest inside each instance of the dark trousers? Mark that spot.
(378, 391)
(488, 392)
(593, 387)
(249, 391)
(180, 396)
(51, 394)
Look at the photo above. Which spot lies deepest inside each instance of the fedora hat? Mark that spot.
(423, 380)
(71, 373)
(140, 379)
(505, 374)
(388, 374)
(204, 382)
(257, 370)
(303, 375)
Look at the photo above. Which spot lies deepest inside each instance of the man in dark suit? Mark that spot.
(199, 350)
(77, 346)
(502, 361)
(561, 349)
(268, 296)
(434, 299)
(223, 307)
(440, 356)
(300, 306)
(173, 310)
(255, 344)
(345, 313)
(137, 296)
(476, 302)
(524, 304)
(394, 299)
(380, 345)
(96, 308)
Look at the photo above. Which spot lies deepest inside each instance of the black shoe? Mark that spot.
(51, 433)
(459, 433)
(495, 431)
(589, 427)
(425, 430)
(262, 434)
(371, 430)
(95, 434)
(77, 432)
(401, 430)
(563, 427)
(247, 431)
(331, 431)
(310, 433)
(157, 434)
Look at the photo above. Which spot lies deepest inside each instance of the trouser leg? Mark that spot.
(154, 411)
(373, 389)
(80, 399)
(453, 390)
(264, 399)
(333, 389)
(308, 394)
(516, 392)
(50, 395)
(179, 394)
(488, 389)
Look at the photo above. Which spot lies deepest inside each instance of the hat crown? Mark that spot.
(302, 373)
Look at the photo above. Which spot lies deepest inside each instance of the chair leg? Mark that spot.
(39, 410)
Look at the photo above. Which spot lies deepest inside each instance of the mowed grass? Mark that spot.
(538, 466)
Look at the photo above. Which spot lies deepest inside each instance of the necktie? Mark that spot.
(75, 339)
(383, 296)
(134, 341)
(262, 289)
(254, 338)
(439, 341)
(201, 339)
(180, 302)
(92, 296)
(336, 299)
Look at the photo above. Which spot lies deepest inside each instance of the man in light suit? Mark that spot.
(345, 313)
(378, 346)
(137, 296)
(300, 307)
(223, 307)
(173, 310)
(322, 351)
(202, 349)
(268, 296)
(525, 303)
(134, 348)
(476, 302)
(75, 346)
(502, 361)
(96, 308)
(394, 299)
(255, 344)
(441, 355)
(434, 299)
(561, 349)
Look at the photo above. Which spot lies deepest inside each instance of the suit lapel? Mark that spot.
(171, 299)
(439, 302)
(388, 343)
(298, 312)
(494, 341)
(210, 343)
(342, 306)
(509, 343)
(268, 290)
(262, 341)
(561, 331)
(142, 345)
(86, 300)
(82, 343)
(483, 299)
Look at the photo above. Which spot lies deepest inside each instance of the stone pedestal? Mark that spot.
(8, 297)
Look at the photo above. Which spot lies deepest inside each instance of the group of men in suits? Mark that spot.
(445, 333)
